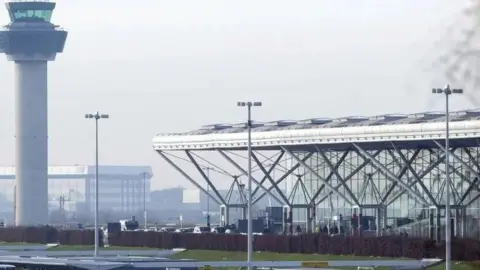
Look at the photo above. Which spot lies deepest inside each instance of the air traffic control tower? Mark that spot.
(30, 40)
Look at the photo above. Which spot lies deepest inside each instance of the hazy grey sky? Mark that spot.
(165, 66)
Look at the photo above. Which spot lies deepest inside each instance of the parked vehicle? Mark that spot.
(201, 229)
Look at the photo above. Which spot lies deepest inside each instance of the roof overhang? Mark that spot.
(330, 138)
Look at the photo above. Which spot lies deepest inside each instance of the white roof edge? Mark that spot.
(461, 129)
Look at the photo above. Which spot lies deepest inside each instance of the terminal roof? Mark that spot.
(352, 121)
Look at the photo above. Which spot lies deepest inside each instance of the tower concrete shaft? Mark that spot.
(31, 143)
(30, 41)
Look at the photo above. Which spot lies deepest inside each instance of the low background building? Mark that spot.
(71, 191)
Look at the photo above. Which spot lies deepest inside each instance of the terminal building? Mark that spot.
(72, 188)
(389, 169)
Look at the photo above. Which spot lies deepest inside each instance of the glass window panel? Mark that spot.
(32, 15)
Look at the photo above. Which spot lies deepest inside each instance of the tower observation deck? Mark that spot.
(30, 40)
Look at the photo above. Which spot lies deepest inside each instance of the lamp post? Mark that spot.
(447, 91)
(96, 116)
(208, 195)
(249, 106)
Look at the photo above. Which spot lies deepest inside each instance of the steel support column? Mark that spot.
(224, 215)
(389, 174)
(378, 221)
(457, 159)
(330, 175)
(229, 159)
(464, 223)
(466, 166)
(339, 178)
(399, 175)
(363, 191)
(363, 188)
(412, 184)
(267, 174)
(317, 175)
(190, 179)
(348, 177)
(270, 170)
(240, 189)
(471, 186)
(415, 175)
(283, 177)
(209, 183)
(463, 178)
(472, 200)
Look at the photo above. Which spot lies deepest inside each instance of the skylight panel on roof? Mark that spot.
(356, 119)
(240, 125)
(244, 125)
(434, 114)
(387, 119)
(315, 121)
(265, 128)
(339, 120)
(377, 118)
(320, 121)
(426, 115)
(216, 126)
(281, 123)
(392, 117)
(459, 113)
(351, 119)
(222, 126)
(207, 127)
(473, 113)
(416, 115)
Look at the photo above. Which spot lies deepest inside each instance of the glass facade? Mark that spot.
(370, 185)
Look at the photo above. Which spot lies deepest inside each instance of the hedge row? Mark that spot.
(385, 246)
(45, 235)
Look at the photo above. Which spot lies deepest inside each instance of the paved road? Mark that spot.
(84, 253)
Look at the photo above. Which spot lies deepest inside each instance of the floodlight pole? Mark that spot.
(448, 236)
(96, 116)
(249, 202)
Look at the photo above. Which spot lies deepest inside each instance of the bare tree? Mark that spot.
(459, 64)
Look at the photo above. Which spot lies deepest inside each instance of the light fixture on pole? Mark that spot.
(208, 194)
(249, 106)
(96, 116)
(447, 91)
